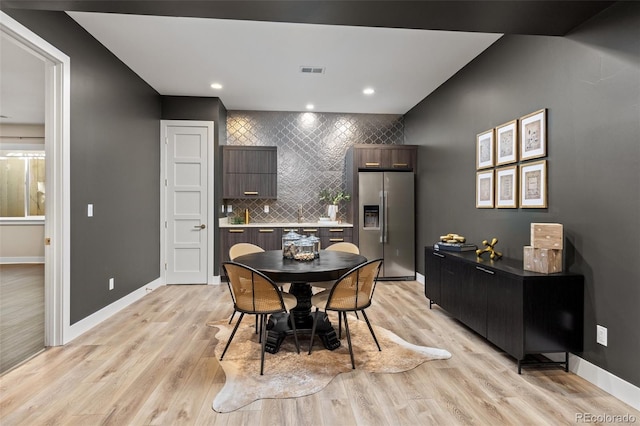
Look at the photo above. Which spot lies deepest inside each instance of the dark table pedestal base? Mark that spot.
(279, 326)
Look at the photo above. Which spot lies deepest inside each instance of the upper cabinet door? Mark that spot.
(385, 157)
(250, 172)
(370, 158)
(403, 157)
(250, 159)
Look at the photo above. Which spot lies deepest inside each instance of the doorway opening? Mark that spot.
(56, 146)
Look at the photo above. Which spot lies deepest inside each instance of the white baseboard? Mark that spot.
(105, 313)
(608, 382)
(24, 259)
(420, 278)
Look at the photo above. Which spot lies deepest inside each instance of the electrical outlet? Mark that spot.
(112, 283)
(229, 208)
(266, 208)
(89, 210)
(601, 335)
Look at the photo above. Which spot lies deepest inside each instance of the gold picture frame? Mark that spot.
(484, 189)
(485, 150)
(506, 195)
(533, 185)
(507, 143)
(533, 135)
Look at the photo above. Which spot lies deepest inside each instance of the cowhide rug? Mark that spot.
(288, 374)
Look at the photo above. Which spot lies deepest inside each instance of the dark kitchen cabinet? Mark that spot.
(385, 157)
(522, 312)
(334, 235)
(327, 235)
(231, 236)
(269, 238)
(249, 172)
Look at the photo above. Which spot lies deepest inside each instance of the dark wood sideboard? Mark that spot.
(524, 313)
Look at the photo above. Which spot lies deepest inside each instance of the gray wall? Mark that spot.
(590, 83)
(115, 165)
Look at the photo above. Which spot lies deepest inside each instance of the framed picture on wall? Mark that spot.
(507, 143)
(533, 135)
(533, 184)
(507, 187)
(484, 189)
(484, 150)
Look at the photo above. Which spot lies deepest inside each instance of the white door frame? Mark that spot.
(163, 196)
(57, 329)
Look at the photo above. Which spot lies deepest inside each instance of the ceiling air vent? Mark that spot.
(312, 70)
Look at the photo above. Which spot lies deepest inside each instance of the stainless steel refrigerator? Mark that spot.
(386, 221)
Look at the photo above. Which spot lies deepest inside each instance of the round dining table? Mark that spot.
(329, 266)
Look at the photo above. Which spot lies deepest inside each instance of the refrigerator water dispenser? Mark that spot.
(371, 216)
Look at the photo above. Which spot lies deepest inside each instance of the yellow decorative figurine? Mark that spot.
(452, 238)
(489, 249)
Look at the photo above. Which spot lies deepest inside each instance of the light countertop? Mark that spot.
(225, 224)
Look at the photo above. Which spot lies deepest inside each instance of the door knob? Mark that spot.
(200, 226)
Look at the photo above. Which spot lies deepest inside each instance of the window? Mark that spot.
(22, 184)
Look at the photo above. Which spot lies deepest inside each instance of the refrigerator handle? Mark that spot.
(382, 216)
(385, 223)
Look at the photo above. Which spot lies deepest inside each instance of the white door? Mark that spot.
(187, 146)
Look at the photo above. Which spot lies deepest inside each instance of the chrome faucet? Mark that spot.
(300, 217)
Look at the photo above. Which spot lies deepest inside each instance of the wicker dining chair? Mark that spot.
(237, 250)
(340, 246)
(254, 293)
(240, 249)
(344, 246)
(351, 293)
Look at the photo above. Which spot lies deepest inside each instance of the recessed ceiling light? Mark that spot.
(369, 91)
(216, 86)
(310, 106)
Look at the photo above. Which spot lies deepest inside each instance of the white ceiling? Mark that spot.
(258, 63)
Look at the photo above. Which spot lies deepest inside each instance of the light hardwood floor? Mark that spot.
(21, 313)
(152, 364)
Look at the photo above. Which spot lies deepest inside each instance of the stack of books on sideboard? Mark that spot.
(545, 252)
(453, 242)
(441, 245)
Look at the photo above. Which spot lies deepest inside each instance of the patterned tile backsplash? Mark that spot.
(311, 155)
